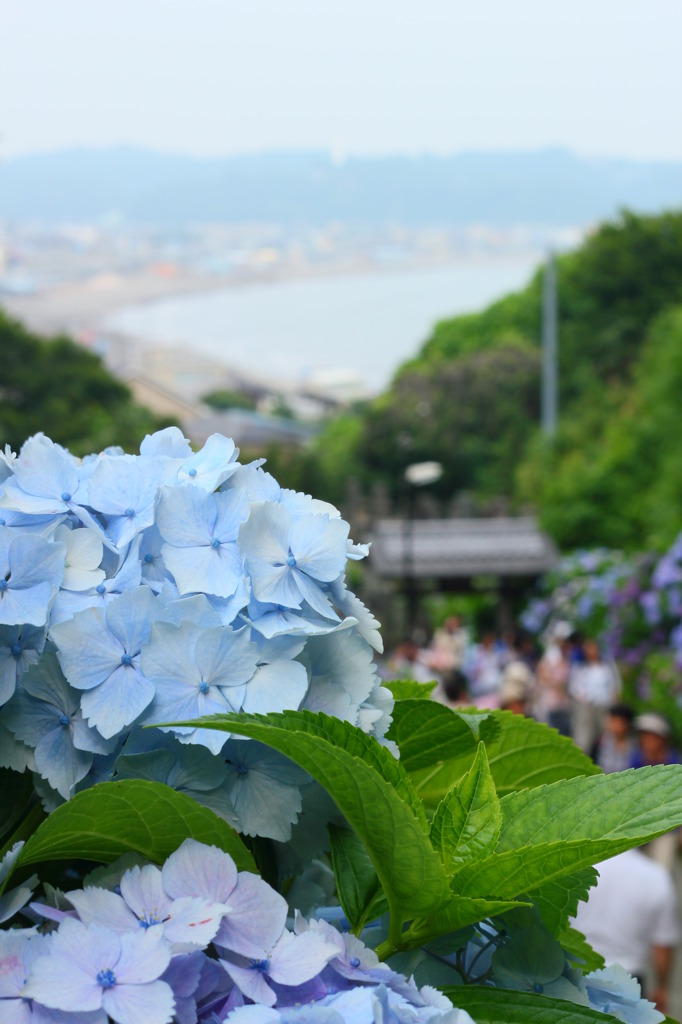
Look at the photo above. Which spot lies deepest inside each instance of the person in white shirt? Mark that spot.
(631, 919)
(593, 686)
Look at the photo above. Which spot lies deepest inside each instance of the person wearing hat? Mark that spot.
(516, 689)
(654, 735)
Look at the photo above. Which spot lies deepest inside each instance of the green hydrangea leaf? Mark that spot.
(505, 1006)
(623, 809)
(113, 818)
(405, 689)
(578, 948)
(428, 733)
(554, 830)
(467, 823)
(370, 788)
(557, 901)
(522, 754)
(458, 913)
(357, 883)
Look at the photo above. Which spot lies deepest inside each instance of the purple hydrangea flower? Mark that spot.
(93, 968)
(291, 960)
(144, 903)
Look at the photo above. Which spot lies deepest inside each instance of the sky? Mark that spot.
(220, 77)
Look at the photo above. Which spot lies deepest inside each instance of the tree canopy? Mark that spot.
(470, 398)
(57, 387)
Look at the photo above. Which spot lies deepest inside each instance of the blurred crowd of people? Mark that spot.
(631, 916)
(570, 685)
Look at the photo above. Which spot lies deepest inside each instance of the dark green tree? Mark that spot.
(61, 389)
(473, 415)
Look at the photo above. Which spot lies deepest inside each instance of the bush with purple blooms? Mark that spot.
(633, 606)
(211, 810)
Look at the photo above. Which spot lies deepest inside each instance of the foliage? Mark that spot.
(470, 400)
(181, 662)
(612, 475)
(614, 471)
(60, 388)
(610, 291)
(435, 412)
(327, 465)
(223, 398)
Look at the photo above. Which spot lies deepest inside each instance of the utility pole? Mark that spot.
(550, 319)
(419, 474)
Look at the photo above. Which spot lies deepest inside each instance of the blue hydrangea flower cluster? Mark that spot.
(165, 586)
(525, 957)
(197, 941)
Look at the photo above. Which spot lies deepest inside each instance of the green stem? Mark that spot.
(392, 944)
(384, 950)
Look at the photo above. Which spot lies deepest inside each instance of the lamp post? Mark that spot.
(419, 474)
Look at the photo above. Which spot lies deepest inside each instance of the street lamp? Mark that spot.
(419, 474)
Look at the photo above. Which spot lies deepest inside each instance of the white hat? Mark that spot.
(652, 722)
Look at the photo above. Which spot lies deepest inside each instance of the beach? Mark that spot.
(277, 326)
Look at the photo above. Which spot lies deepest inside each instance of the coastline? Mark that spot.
(174, 335)
(82, 305)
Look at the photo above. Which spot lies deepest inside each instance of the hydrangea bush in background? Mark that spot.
(213, 812)
(633, 606)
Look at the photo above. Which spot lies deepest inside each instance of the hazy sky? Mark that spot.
(602, 77)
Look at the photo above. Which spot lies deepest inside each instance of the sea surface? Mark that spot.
(365, 324)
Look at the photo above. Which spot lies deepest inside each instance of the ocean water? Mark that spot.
(365, 324)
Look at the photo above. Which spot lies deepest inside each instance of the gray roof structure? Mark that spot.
(459, 549)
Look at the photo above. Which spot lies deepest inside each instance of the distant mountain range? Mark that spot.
(547, 187)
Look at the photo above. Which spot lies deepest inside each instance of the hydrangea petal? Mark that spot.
(145, 955)
(298, 958)
(143, 892)
(318, 544)
(167, 443)
(199, 870)
(152, 1003)
(277, 687)
(212, 465)
(118, 702)
(256, 919)
(251, 982)
(101, 907)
